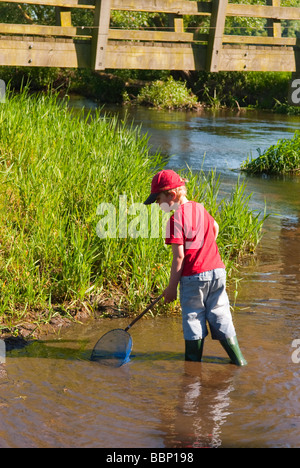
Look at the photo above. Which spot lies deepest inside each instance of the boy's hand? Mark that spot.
(170, 294)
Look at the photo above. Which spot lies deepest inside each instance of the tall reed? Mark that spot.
(281, 158)
(56, 168)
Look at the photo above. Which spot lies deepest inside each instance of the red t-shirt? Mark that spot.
(192, 226)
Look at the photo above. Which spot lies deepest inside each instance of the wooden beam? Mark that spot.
(255, 58)
(261, 11)
(178, 25)
(153, 36)
(100, 34)
(182, 7)
(260, 40)
(89, 4)
(184, 57)
(45, 53)
(63, 16)
(38, 30)
(274, 25)
(155, 56)
(217, 24)
(179, 7)
(137, 35)
(76, 54)
(116, 34)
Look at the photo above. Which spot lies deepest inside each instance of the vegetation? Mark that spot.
(168, 94)
(56, 168)
(231, 89)
(282, 158)
(243, 89)
(241, 228)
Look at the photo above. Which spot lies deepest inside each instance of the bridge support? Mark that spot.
(100, 34)
(217, 25)
(63, 16)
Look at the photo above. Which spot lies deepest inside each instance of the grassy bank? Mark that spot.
(280, 159)
(56, 169)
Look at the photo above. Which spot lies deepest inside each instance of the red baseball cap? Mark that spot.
(162, 181)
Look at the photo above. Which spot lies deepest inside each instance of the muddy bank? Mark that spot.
(33, 327)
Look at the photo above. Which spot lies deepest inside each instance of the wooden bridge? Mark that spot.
(102, 47)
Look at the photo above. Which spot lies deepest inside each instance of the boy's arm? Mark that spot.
(216, 229)
(170, 293)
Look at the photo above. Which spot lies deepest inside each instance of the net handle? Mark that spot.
(144, 312)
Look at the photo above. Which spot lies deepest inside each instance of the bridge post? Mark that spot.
(100, 34)
(274, 26)
(63, 16)
(217, 25)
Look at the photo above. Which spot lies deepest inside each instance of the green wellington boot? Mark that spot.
(193, 350)
(232, 348)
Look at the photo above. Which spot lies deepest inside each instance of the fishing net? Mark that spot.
(113, 348)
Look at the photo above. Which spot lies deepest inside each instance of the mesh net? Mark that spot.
(113, 349)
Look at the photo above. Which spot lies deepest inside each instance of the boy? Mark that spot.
(197, 266)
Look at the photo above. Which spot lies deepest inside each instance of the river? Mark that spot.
(53, 396)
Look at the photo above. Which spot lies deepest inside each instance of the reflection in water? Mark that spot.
(289, 248)
(202, 406)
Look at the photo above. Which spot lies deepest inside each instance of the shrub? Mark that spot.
(168, 94)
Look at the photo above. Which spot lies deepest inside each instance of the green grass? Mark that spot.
(282, 158)
(169, 94)
(56, 168)
(240, 226)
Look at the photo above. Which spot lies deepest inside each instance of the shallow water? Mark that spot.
(53, 396)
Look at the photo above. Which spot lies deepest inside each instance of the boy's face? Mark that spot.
(167, 201)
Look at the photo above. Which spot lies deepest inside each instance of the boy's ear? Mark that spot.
(173, 194)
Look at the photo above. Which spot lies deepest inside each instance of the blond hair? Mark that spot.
(180, 191)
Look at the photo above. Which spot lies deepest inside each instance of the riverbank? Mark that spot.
(59, 171)
(233, 90)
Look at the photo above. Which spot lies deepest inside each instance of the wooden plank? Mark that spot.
(248, 58)
(178, 25)
(89, 4)
(261, 11)
(215, 40)
(45, 54)
(63, 16)
(38, 30)
(156, 57)
(274, 26)
(260, 40)
(254, 58)
(140, 35)
(117, 34)
(182, 7)
(179, 7)
(100, 34)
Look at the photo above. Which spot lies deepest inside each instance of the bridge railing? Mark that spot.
(101, 46)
